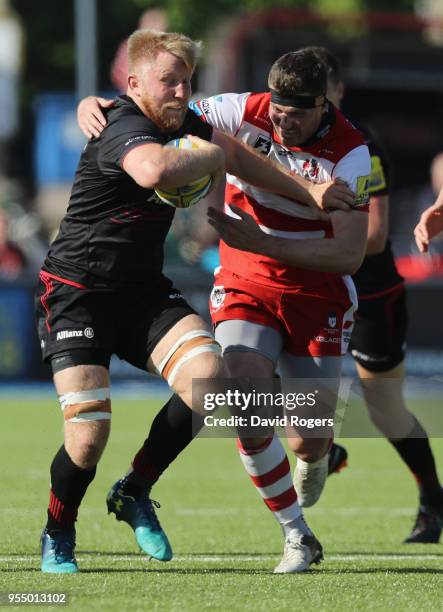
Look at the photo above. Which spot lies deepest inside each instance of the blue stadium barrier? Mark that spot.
(58, 139)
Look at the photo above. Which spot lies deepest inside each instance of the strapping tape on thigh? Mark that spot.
(91, 405)
(190, 345)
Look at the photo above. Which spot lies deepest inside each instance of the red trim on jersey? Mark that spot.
(44, 298)
(47, 279)
(282, 501)
(273, 475)
(65, 281)
(257, 111)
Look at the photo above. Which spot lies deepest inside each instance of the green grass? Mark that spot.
(225, 541)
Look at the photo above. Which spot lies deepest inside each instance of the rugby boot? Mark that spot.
(301, 550)
(338, 459)
(427, 527)
(58, 552)
(309, 480)
(141, 517)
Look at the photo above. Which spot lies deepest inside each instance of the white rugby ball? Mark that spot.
(187, 195)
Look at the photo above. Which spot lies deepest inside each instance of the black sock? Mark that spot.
(417, 454)
(174, 427)
(68, 487)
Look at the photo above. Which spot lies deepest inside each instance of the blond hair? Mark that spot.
(144, 45)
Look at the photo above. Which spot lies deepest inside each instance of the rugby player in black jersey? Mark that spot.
(102, 290)
(379, 337)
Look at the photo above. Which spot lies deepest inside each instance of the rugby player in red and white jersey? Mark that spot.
(282, 296)
(293, 306)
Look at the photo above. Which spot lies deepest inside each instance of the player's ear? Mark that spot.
(134, 83)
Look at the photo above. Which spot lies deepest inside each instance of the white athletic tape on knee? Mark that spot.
(90, 416)
(188, 336)
(205, 348)
(82, 406)
(80, 397)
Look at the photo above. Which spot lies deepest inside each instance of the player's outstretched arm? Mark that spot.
(324, 196)
(153, 165)
(247, 164)
(343, 253)
(90, 116)
(430, 224)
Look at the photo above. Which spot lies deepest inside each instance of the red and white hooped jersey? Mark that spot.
(338, 150)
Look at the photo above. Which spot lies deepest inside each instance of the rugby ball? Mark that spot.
(188, 195)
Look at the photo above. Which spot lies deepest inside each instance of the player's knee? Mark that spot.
(87, 417)
(86, 406)
(195, 355)
(199, 378)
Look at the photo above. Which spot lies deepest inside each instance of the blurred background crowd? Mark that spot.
(53, 53)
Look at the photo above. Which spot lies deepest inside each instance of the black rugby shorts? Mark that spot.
(379, 336)
(96, 323)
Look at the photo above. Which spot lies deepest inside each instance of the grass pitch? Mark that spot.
(225, 541)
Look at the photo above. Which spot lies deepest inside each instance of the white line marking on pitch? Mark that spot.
(233, 558)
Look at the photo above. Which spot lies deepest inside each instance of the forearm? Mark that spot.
(327, 255)
(179, 167)
(343, 253)
(260, 171)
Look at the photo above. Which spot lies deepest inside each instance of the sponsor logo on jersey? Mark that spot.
(285, 153)
(329, 340)
(137, 138)
(217, 297)
(200, 107)
(362, 191)
(310, 169)
(175, 296)
(332, 319)
(205, 106)
(368, 358)
(88, 332)
(377, 180)
(263, 144)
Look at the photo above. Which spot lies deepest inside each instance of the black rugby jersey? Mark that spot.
(377, 272)
(113, 232)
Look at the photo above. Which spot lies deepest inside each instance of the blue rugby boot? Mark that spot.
(141, 517)
(58, 552)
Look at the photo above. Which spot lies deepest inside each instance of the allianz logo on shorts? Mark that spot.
(88, 332)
